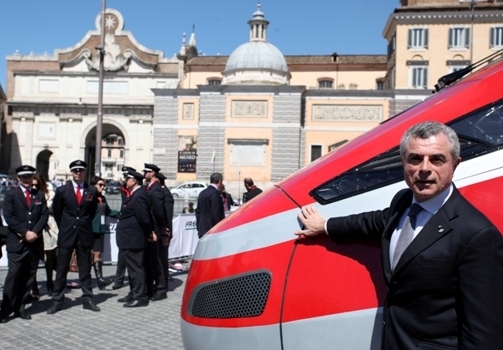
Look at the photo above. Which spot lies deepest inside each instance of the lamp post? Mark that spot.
(99, 124)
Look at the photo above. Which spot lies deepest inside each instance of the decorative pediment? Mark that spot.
(120, 47)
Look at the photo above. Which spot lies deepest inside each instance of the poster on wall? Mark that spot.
(187, 154)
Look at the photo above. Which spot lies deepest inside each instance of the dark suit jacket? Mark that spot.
(74, 220)
(209, 211)
(252, 193)
(169, 204)
(446, 290)
(22, 218)
(157, 213)
(134, 228)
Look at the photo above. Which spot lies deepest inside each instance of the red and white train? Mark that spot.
(253, 285)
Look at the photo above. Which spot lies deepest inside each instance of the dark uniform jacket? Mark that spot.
(133, 228)
(209, 211)
(446, 290)
(252, 193)
(157, 211)
(75, 220)
(169, 204)
(22, 218)
(102, 209)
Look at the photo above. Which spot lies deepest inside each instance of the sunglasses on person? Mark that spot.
(101, 185)
(77, 170)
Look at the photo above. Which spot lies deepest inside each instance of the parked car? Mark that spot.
(113, 187)
(191, 188)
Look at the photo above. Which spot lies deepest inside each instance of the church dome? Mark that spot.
(256, 62)
(257, 54)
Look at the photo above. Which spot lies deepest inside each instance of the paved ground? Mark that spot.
(156, 326)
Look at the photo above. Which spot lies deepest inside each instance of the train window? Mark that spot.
(479, 133)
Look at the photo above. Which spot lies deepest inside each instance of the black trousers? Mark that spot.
(19, 280)
(134, 259)
(121, 268)
(157, 262)
(63, 265)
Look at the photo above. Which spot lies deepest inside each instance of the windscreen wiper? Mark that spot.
(450, 78)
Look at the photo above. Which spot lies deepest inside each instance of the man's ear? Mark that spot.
(456, 163)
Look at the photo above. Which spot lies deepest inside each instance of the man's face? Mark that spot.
(130, 183)
(220, 184)
(428, 166)
(26, 180)
(78, 175)
(148, 175)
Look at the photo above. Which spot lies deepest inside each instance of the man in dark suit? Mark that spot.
(252, 191)
(25, 211)
(210, 209)
(156, 278)
(442, 258)
(74, 207)
(133, 231)
(169, 204)
(120, 272)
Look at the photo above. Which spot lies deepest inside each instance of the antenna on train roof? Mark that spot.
(450, 78)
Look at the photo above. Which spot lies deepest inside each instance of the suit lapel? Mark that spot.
(396, 213)
(21, 194)
(437, 227)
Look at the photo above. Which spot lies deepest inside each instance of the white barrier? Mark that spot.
(183, 244)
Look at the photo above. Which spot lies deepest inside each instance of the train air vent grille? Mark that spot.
(238, 296)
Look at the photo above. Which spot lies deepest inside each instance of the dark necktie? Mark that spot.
(78, 194)
(407, 233)
(28, 198)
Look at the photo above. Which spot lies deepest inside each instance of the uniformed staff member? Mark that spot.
(74, 207)
(120, 272)
(169, 204)
(157, 286)
(133, 231)
(25, 211)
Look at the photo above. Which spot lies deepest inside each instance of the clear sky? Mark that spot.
(297, 27)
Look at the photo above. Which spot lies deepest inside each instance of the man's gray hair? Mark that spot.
(426, 130)
(216, 177)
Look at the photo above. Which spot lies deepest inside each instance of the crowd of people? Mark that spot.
(67, 222)
(64, 226)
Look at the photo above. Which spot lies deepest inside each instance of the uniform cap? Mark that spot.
(151, 167)
(134, 175)
(25, 170)
(161, 176)
(78, 164)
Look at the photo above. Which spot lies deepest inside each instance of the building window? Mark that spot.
(497, 37)
(419, 77)
(418, 38)
(109, 153)
(214, 81)
(109, 167)
(459, 38)
(315, 152)
(109, 141)
(121, 153)
(455, 68)
(120, 141)
(380, 85)
(325, 83)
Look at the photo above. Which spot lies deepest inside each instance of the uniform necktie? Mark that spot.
(28, 198)
(78, 194)
(407, 233)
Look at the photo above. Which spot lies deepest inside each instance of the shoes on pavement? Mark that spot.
(117, 286)
(90, 305)
(136, 303)
(22, 314)
(128, 298)
(56, 306)
(157, 297)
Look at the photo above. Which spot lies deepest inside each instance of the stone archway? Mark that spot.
(43, 162)
(113, 151)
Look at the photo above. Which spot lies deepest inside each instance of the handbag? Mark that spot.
(74, 267)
